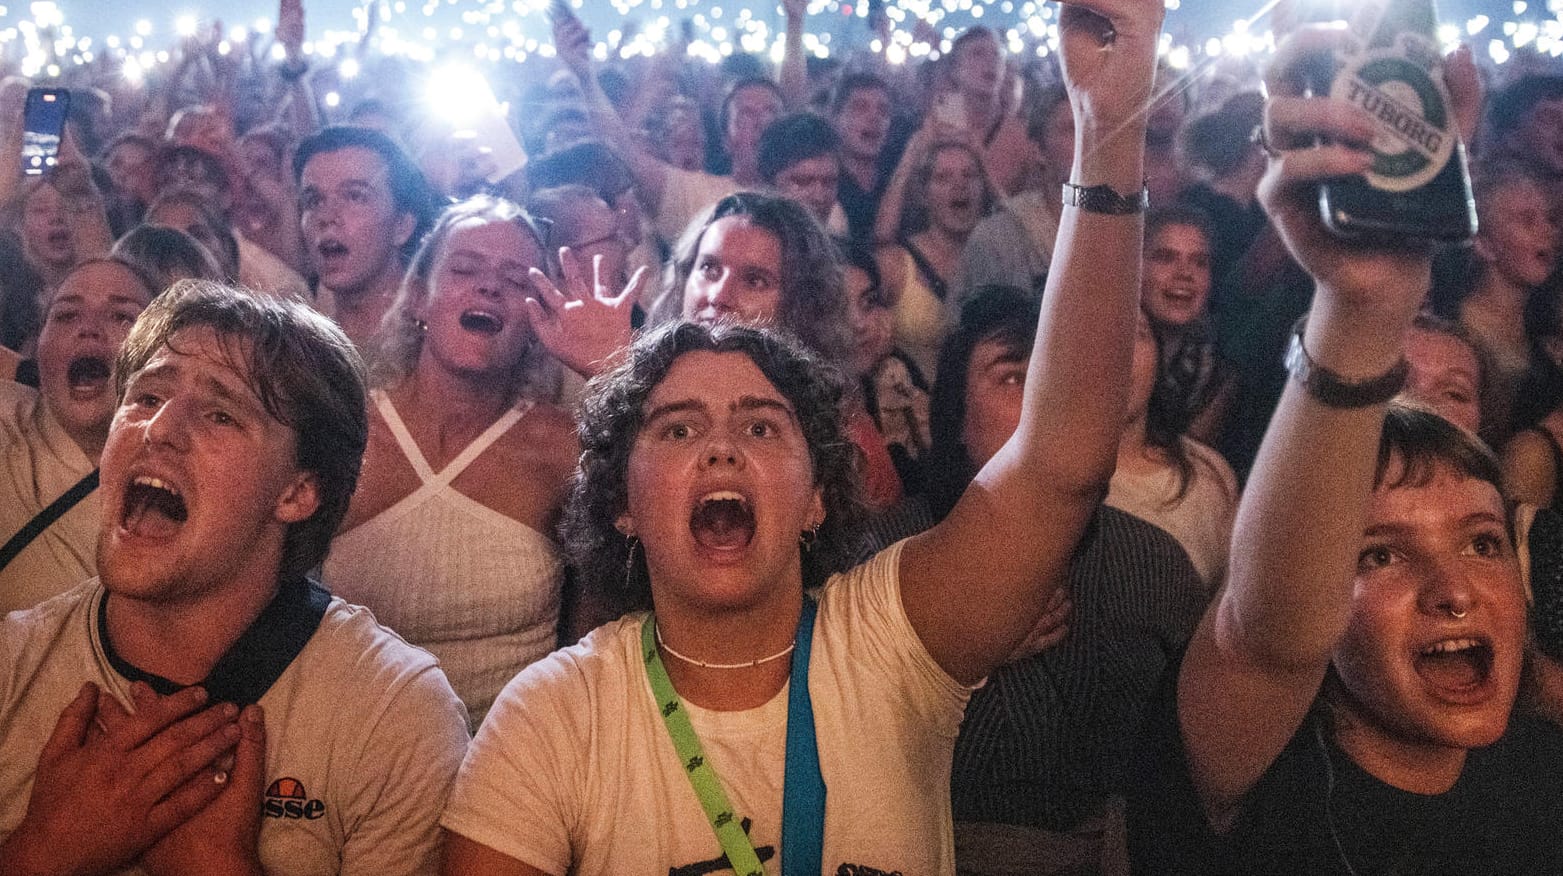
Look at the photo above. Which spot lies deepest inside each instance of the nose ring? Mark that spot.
(1456, 614)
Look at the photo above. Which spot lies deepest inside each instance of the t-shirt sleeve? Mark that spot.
(407, 764)
(514, 793)
(862, 610)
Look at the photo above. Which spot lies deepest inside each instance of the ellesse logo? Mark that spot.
(286, 798)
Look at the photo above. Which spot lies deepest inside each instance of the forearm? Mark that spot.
(650, 174)
(1074, 407)
(887, 222)
(793, 79)
(298, 110)
(1301, 520)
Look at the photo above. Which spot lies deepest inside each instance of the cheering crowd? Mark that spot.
(849, 467)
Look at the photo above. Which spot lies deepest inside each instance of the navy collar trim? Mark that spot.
(259, 657)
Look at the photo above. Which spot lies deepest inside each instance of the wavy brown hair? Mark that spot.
(813, 295)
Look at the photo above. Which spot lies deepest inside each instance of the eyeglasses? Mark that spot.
(610, 237)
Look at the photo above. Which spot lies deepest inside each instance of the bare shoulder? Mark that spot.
(541, 449)
(549, 432)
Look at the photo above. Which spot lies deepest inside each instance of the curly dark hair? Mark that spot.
(611, 418)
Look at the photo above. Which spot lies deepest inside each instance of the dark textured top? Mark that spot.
(1316, 813)
(1048, 738)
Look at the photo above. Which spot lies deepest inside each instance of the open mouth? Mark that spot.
(153, 508)
(331, 249)
(87, 374)
(482, 322)
(722, 520)
(1455, 665)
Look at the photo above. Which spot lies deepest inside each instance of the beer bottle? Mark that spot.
(1418, 185)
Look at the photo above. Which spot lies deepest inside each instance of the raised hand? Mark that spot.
(582, 326)
(103, 795)
(290, 26)
(1312, 139)
(221, 838)
(1108, 50)
(572, 42)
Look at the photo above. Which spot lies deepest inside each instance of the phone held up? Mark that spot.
(43, 124)
(1418, 186)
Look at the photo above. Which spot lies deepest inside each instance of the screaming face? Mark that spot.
(1434, 646)
(88, 319)
(720, 485)
(199, 481)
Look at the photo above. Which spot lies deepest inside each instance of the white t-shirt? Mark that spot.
(38, 463)
(1201, 521)
(573, 770)
(363, 735)
(685, 193)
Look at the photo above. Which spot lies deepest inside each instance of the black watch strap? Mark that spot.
(1106, 199)
(1335, 391)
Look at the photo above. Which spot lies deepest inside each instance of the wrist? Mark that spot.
(1354, 343)
(1119, 163)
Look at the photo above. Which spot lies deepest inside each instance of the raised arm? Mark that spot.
(793, 78)
(1257, 660)
(973, 586)
(573, 43)
(296, 105)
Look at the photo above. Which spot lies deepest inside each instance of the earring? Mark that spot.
(629, 564)
(809, 537)
(422, 326)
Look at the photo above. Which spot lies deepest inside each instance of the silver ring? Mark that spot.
(1258, 138)
(1456, 614)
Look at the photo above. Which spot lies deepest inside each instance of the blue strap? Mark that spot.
(803, 791)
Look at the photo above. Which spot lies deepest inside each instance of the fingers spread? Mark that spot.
(550, 298)
(632, 289)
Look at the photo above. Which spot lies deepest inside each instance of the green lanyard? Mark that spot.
(809, 816)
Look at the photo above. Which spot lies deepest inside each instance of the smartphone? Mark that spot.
(43, 124)
(1418, 187)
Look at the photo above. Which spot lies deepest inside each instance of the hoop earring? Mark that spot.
(809, 538)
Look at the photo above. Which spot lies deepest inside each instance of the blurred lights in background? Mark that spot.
(40, 41)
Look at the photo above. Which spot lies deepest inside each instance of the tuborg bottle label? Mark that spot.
(1396, 75)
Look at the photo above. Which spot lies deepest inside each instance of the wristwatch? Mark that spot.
(1105, 199)
(1335, 391)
